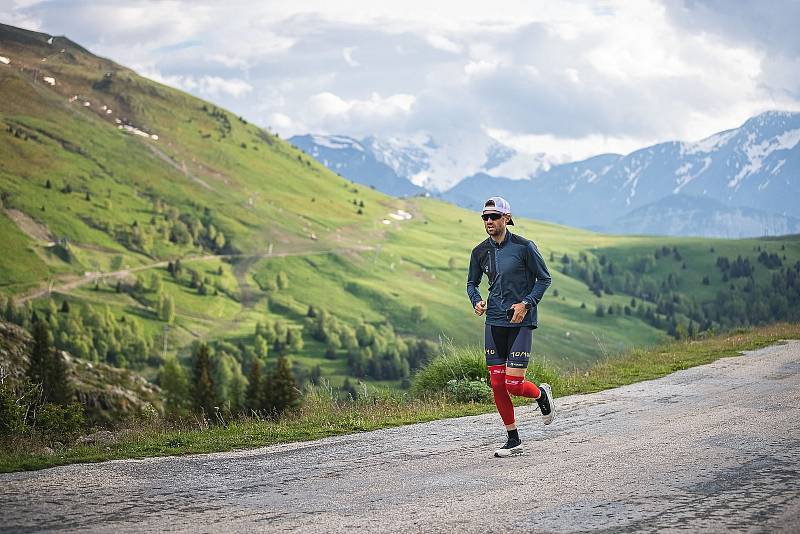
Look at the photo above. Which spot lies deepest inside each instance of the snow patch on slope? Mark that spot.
(709, 144)
(337, 142)
(756, 153)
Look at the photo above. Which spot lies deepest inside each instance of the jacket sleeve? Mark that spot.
(541, 275)
(474, 279)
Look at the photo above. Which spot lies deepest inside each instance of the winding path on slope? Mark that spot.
(89, 277)
(713, 448)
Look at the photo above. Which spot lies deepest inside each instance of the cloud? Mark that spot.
(210, 86)
(568, 78)
(347, 53)
(767, 28)
(362, 116)
(441, 42)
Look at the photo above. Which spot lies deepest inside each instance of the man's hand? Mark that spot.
(519, 312)
(480, 307)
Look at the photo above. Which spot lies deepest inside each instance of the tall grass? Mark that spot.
(468, 364)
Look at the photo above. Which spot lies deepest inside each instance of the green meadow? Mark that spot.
(84, 198)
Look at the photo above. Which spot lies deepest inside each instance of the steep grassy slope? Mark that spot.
(106, 171)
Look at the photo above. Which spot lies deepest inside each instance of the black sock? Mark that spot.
(513, 435)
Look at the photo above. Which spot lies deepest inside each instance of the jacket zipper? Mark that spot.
(497, 276)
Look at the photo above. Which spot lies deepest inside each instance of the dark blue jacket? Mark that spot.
(516, 273)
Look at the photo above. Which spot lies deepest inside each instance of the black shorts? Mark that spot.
(509, 346)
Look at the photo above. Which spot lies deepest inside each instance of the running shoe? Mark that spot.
(545, 402)
(513, 447)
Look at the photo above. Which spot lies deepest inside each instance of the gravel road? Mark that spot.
(714, 448)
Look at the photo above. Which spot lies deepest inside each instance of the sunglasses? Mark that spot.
(492, 216)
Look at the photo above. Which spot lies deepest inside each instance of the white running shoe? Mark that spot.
(546, 404)
(511, 448)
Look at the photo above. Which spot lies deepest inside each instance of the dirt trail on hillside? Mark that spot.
(715, 448)
(30, 227)
(180, 167)
(67, 285)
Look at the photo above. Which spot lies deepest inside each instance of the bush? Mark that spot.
(461, 372)
(454, 363)
(60, 422)
(469, 390)
(12, 413)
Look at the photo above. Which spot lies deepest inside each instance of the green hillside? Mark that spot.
(108, 179)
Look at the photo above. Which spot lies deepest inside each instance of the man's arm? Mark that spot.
(540, 273)
(473, 280)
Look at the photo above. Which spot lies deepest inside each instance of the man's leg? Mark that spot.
(496, 364)
(496, 355)
(517, 365)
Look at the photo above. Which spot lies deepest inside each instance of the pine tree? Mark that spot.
(10, 311)
(315, 375)
(268, 393)
(167, 313)
(174, 383)
(237, 390)
(330, 352)
(294, 340)
(202, 383)
(47, 367)
(253, 395)
(282, 279)
(285, 394)
(260, 346)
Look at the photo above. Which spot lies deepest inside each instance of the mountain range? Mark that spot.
(736, 183)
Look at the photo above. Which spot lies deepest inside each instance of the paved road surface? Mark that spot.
(714, 448)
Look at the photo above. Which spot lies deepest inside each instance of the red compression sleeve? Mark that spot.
(517, 385)
(497, 378)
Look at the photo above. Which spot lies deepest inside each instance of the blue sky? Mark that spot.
(568, 79)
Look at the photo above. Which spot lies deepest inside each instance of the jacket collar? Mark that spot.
(495, 244)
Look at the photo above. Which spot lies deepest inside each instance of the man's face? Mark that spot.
(495, 227)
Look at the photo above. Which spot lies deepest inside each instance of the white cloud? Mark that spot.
(561, 149)
(441, 42)
(569, 78)
(211, 86)
(327, 105)
(347, 53)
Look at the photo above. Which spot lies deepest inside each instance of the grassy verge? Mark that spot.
(322, 415)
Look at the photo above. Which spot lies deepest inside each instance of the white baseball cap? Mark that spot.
(498, 204)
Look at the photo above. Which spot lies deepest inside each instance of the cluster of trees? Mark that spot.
(89, 334)
(738, 268)
(278, 282)
(217, 387)
(372, 351)
(191, 278)
(223, 121)
(741, 301)
(770, 261)
(150, 294)
(758, 304)
(276, 336)
(43, 401)
(168, 224)
(590, 271)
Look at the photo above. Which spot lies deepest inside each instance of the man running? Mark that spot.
(518, 278)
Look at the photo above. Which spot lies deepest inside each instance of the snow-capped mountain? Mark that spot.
(754, 166)
(411, 166)
(369, 162)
